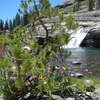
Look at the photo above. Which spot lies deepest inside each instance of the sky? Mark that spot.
(9, 8)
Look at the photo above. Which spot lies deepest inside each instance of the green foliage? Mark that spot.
(6, 25)
(25, 19)
(19, 82)
(10, 25)
(34, 63)
(77, 5)
(1, 25)
(71, 24)
(14, 23)
(91, 5)
(82, 83)
(24, 71)
(17, 20)
(27, 71)
(45, 4)
(54, 83)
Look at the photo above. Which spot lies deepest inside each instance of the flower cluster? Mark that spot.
(2, 51)
(61, 67)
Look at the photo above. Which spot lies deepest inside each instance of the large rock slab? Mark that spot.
(65, 3)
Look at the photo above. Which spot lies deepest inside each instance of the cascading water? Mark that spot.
(77, 37)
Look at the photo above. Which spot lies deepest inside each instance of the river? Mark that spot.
(89, 59)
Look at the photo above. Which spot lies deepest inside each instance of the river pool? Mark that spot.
(89, 59)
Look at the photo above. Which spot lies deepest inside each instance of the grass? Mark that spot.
(81, 83)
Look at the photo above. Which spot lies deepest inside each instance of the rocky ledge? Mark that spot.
(81, 96)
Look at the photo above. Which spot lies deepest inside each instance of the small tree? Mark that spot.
(26, 71)
(38, 12)
(91, 5)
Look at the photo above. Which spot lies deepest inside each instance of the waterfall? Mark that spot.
(77, 36)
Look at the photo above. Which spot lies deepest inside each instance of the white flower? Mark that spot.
(26, 47)
(89, 82)
(44, 82)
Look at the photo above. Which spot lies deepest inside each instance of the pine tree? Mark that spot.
(21, 20)
(45, 4)
(6, 25)
(25, 16)
(1, 25)
(10, 25)
(37, 12)
(17, 19)
(13, 22)
(25, 19)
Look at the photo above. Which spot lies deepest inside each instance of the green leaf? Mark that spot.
(19, 83)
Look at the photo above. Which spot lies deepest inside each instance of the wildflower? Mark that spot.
(65, 68)
(89, 82)
(45, 82)
(57, 67)
(49, 69)
(2, 52)
(42, 78)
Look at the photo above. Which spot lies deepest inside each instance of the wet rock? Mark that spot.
(56, 97)
(82, 96)
(90, 88)
(1, 97)
(93, 38)
(76, 62)
(31, 80)
(27, 95)
(12, 78)
(86, 70)
(94, 96)
(97, 93)
(78, 75)
(97, 90)
(69, 98)
(95, 29)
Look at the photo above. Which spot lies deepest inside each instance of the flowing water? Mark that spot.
(77, 36)
(89, 59)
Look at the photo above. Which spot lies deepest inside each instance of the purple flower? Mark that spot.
(2, 52)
